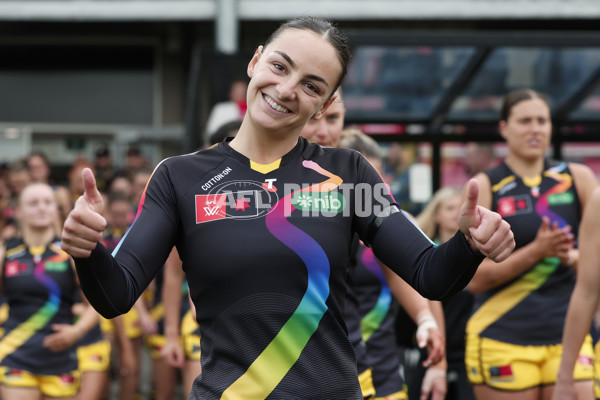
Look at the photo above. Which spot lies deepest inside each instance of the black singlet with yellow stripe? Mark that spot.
(39, 287)
(531, 309)
(265, 249)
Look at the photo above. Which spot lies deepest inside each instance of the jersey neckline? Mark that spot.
(526, 179)
(296, 151)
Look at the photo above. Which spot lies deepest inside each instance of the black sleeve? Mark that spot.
(113, 283)
(436, 272)
(105, 283)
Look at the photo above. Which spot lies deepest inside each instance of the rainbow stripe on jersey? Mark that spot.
(271, 366)
(565, 181)
(24, 331)
(373, 319)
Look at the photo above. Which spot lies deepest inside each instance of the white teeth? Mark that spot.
(275, 106)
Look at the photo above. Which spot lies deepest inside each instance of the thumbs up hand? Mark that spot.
(485, 230)
(85, 223)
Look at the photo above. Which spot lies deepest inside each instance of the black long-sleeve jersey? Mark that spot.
(265, 250)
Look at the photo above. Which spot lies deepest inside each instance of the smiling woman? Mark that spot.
(266, 271)
(292, 79)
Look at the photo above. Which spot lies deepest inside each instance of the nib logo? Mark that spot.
(210, 207)
(330, 202)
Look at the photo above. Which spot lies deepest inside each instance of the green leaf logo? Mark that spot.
(560, 198)
(327, 202)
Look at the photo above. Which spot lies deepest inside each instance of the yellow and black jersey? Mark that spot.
(530, 310)
(39, 285)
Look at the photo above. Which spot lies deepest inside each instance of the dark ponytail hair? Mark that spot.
(327, 31)
(515, 97)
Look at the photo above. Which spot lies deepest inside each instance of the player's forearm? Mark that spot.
(437, 310)
(172, 292)
(172, 304)
(491, 274)
(86, 321)
(108, 287)
(435, 272)
(577, 325)
(412, 302)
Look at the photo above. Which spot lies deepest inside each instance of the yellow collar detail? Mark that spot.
(532, 182)
(37, 250)
(265, 168)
